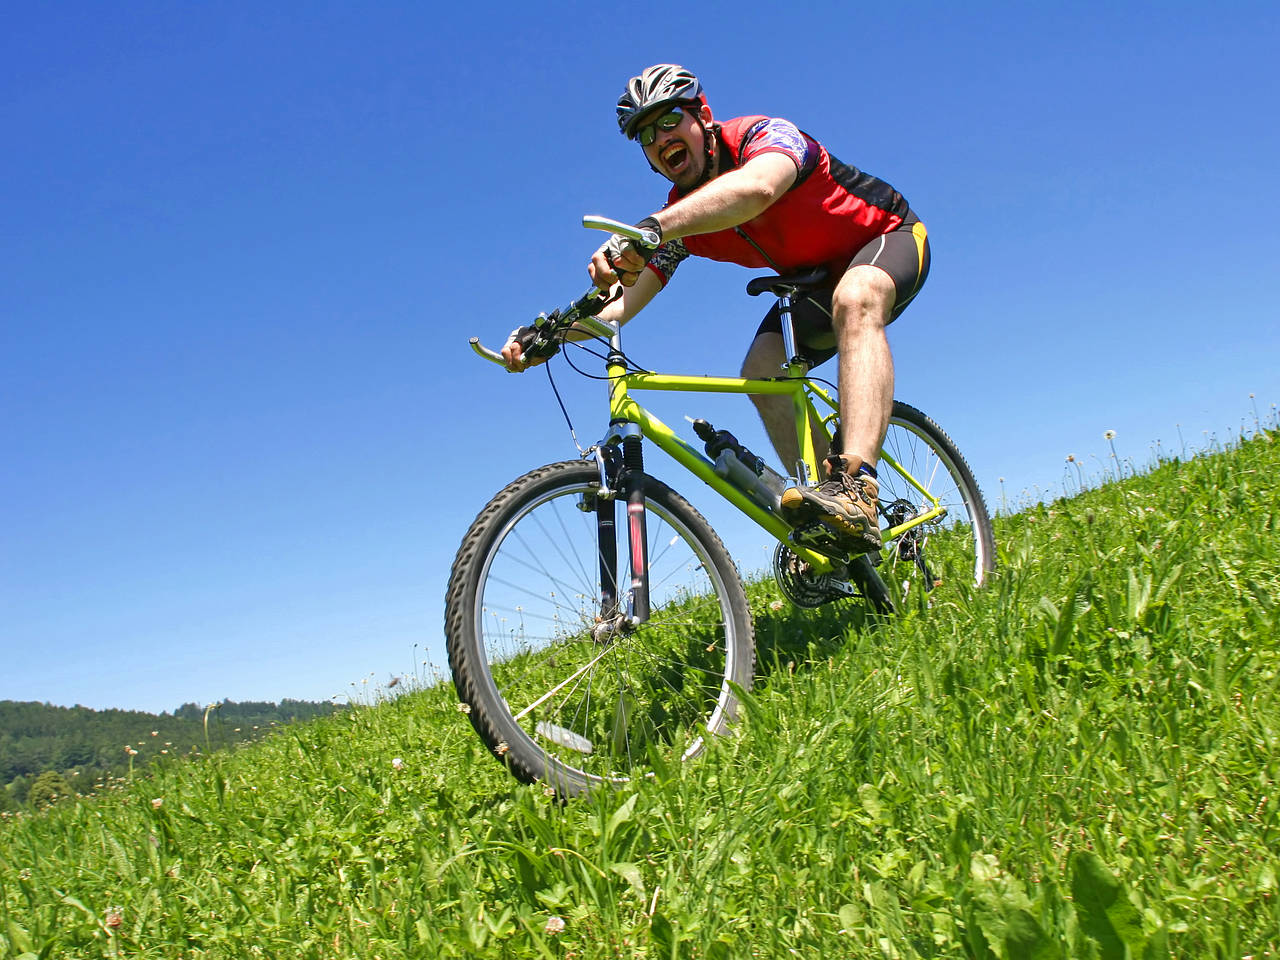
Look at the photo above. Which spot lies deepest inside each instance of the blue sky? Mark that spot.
(244, 246)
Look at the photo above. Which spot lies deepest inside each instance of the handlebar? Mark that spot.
(583, 310)
(647, 237)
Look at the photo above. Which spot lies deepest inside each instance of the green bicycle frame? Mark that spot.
(623, 408)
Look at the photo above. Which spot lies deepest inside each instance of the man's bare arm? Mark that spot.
(730, 199)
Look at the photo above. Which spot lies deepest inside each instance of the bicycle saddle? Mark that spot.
(790, 283)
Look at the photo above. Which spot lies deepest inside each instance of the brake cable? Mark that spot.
(627, 362)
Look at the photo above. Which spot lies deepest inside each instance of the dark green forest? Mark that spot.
(71, 749)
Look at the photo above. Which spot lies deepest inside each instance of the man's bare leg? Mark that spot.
(846, 503)
(764, 360)
(862, 307)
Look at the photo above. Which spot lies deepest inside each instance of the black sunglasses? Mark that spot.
(668, 121)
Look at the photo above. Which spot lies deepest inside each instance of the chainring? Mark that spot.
(799, 583)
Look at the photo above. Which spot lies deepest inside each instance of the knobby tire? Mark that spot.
(555, 703)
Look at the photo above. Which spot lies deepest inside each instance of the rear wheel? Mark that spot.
(559, 692)
(921, 472)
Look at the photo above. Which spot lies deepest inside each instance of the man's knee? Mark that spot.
(864, 299)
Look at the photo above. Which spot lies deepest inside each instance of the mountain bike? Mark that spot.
(597, 627)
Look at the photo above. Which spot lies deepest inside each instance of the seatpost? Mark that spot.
(788, 329)
(794, 365)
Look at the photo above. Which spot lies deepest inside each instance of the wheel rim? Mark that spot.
(572, 705)
(953, 548)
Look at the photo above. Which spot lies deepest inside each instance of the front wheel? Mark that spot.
(554, 694)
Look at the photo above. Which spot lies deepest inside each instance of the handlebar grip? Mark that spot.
(491, 355)
(649, 238)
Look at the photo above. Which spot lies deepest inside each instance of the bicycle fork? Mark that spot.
(620, 458)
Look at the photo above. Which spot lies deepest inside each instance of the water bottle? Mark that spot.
(741, 467)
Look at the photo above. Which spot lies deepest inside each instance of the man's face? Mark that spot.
(678, 154)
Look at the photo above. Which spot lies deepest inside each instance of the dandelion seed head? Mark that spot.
(1109, 435)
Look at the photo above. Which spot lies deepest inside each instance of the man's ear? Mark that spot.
(705, 113)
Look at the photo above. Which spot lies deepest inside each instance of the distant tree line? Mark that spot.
(48, 751)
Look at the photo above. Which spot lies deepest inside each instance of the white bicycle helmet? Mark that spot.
(657, 86)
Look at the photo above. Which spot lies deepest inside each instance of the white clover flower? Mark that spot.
(397, 763)
(554, 925)
(157, 803)
(775, 605)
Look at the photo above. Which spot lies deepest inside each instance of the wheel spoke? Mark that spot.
(569, 698)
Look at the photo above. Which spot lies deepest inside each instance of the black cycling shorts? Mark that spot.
(902, 253)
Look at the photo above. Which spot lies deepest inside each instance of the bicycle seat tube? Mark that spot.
(794, 365)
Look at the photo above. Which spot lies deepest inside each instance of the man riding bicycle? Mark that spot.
(759, 192)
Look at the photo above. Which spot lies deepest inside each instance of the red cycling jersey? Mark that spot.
(831, 212)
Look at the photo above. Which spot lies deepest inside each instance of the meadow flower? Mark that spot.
(554, 925)
(114, 917)
(157, 802)
(397, 763)
(775, 605)
(1109, 435)
(464, 708)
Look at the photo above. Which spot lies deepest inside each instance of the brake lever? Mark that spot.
(596, 299)
(647, 237)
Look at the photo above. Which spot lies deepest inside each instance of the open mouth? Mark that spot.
(675, 157)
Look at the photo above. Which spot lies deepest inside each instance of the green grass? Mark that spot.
(1080, 760)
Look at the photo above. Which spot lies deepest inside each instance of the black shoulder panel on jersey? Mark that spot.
(868, 189)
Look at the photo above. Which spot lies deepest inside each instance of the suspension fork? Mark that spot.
(607, 459)
(621, 458)
(632, 483)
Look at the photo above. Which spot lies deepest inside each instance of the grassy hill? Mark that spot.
(1079, 761)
